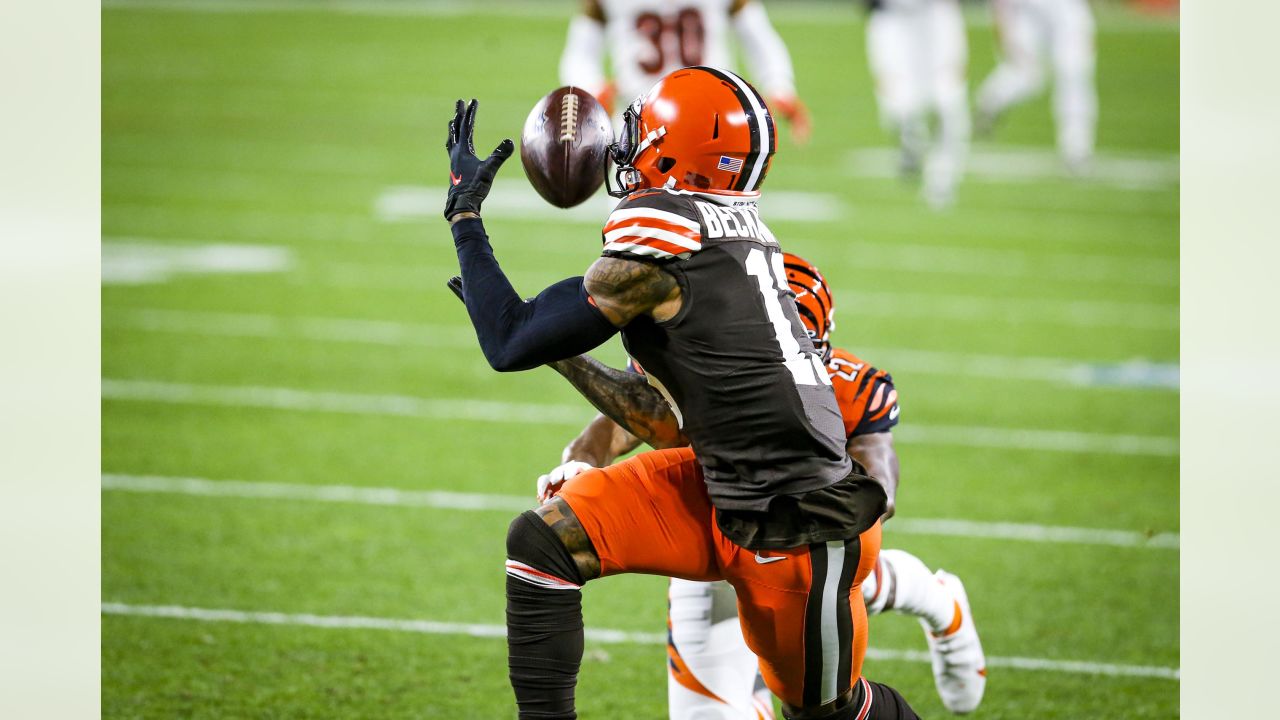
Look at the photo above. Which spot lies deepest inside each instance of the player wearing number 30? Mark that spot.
(694, 279)
(649, 38)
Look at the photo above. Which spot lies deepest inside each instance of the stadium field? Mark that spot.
(308, 468)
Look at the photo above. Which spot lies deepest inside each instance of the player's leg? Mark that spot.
(891, 50)
(804, 617)
(711, 673)
(902, 583)
(647, 514)
(948, 52)
(1019, 74)
(1075, 99)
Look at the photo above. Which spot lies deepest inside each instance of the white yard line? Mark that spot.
(277, 398)
(990, 262)
(143, 263)
(1135, 373)
(824, 13)
(440, 499)
(1013, 164)
(517, 200)
(596, 635)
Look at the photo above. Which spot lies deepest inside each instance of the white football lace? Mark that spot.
(568, 117)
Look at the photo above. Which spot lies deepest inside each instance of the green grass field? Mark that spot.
(275, 314)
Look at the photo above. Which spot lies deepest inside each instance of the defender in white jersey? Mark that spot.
(918, 54)
(648, 39)
(1061, 31)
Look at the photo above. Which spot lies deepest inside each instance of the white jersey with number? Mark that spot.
(650, 38)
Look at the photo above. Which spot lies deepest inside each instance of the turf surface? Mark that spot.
(285, 129)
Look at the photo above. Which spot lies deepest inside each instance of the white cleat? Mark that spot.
(959, 665)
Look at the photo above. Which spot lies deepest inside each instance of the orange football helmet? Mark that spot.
(814, 300)
(700, 129)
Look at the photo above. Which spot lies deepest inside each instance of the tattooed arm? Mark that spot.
(600, 443)
(625, 289)
(626, 398)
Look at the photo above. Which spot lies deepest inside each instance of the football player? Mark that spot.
(650, 38)
(1028, 31)
(711, 672)
(918, 55)
(766, 497)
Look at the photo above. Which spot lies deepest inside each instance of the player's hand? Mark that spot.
(455, 285)
(796, 115)
(470, 177)
(549, 484)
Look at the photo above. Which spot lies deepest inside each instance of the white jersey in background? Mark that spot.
(919, 54)
(1061, 32)
(647, 39)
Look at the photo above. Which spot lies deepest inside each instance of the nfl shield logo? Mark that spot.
(729, 164)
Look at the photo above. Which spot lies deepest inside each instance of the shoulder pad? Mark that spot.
(653, 225)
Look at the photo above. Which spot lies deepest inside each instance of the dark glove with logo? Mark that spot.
(469, 177)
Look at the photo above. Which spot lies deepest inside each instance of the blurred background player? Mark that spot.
(650, 38)
(1030, 30)
(712, 675)
(918, 55)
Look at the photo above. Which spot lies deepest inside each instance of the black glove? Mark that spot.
(469, 178)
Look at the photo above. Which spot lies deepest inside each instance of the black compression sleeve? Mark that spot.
(561, 322)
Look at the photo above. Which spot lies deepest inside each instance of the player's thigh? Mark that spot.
(949, 52)
(649, 514)
(803, 614)
(1073, 30)
(893, 55)
(1022, 39)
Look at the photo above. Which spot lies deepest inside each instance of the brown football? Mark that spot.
(563, 146)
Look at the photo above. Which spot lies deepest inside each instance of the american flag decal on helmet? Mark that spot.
(729, 164)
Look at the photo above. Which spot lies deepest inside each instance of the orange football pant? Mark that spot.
(801, 608)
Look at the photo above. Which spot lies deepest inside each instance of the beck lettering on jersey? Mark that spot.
(742, 221)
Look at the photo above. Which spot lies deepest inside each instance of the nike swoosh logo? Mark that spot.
(766, 560)
(455, 179)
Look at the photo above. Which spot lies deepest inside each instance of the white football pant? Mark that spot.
(1062, 31)
(918, 54)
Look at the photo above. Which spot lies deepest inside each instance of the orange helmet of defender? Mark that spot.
(814, 300)
(700, 129)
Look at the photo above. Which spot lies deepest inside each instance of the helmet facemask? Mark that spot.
(622, 153)
(626, 149)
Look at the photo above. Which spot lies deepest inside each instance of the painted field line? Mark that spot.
(251, 325)
(990, 262)
(597, 635)
(1130, 374)
(978, 309)
(1012, 164)
(517, 200)
(276, 398)
(1109, 21)
(141, 263)
(446, 500)
(137, 260)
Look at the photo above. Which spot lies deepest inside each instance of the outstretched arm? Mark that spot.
(626, 398)
(564, 320)
(600, 443)
(874, 451)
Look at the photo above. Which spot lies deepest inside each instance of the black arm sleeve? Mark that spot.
(561, 322)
